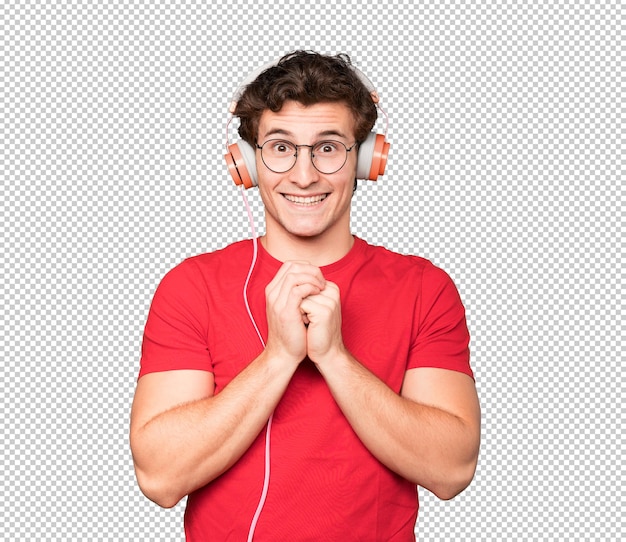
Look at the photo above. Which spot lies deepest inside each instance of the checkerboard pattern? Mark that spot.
(506, 169)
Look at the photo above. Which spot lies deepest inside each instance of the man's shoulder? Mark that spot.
(227, 254)
(397, 266)
(222, 262)
(381, 255)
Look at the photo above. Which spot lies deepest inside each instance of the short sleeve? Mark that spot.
(176, 331)
(441, 338)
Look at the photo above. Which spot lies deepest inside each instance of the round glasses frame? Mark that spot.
(312, 154)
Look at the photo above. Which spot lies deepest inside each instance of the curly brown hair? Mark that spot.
(306, 77)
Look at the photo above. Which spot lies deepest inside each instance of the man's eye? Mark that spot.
(326, 147)
(282, 147)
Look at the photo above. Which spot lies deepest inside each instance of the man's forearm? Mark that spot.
(429, 446)
(189, 445)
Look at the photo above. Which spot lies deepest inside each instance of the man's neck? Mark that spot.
(321, 250)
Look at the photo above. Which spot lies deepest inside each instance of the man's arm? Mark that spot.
(183, 436)
(429, 434)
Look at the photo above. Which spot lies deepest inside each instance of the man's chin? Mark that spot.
(306, 234)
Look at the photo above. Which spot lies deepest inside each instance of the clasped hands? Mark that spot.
(303, 314)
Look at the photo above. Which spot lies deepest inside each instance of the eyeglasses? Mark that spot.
(328, 156)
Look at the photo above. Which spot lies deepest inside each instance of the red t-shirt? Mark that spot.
(398, 312)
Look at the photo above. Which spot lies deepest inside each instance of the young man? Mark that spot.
(314, 414)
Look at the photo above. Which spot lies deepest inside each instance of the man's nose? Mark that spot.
(303, 173)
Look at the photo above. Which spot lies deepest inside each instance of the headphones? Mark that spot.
(240, 156)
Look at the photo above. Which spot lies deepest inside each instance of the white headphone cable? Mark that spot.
(266, 478)
(255, 252)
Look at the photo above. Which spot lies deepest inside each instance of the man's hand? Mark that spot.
(323, 312)
(287, 332)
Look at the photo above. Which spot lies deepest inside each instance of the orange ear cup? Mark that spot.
(237, 167)
(379, 157)
(372, 158)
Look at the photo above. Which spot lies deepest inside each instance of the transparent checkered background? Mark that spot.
(506, 169)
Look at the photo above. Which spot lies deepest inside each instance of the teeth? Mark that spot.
(309, 200)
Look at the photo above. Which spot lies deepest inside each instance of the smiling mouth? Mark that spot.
(308, 200)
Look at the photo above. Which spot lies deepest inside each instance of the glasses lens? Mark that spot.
(329, 156)
(279, 155)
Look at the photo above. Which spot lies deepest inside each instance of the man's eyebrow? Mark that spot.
(279, 131)
(337, 133)
(322, 134)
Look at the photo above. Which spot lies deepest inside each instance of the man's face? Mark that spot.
(303, 202)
